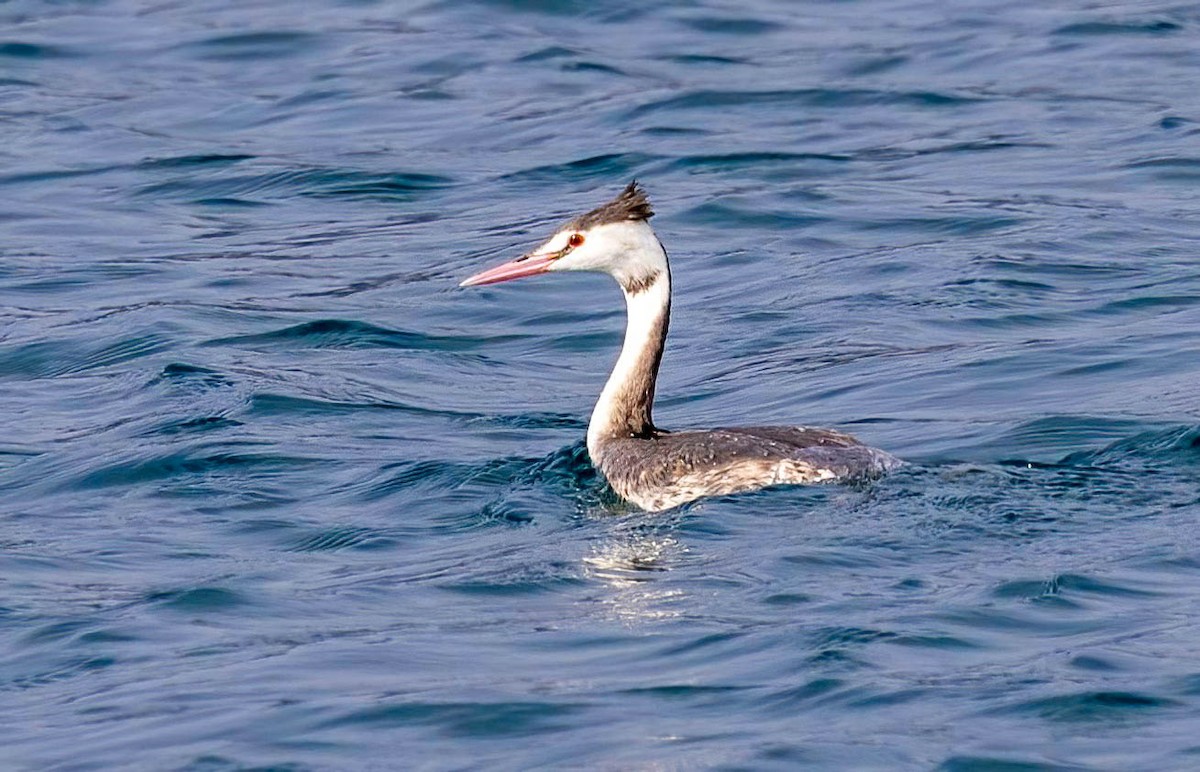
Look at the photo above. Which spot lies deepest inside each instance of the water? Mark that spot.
(276, 494)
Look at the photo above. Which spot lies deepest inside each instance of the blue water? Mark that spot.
(275, 493)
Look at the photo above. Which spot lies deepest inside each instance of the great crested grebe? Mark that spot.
(653, 468)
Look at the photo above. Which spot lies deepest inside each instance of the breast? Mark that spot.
(669, 469)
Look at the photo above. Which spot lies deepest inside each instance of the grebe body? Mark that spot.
(645, 465)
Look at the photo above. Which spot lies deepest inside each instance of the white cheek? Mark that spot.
(581, 259)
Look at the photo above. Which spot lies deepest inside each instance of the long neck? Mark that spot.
(623, 409)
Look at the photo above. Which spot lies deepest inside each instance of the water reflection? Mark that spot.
(631, 562)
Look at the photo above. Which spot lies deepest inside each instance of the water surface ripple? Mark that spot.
(275, 494)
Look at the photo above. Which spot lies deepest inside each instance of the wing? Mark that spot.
(798, 436)
(685, 465)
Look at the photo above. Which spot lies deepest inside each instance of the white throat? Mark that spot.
(624, 406)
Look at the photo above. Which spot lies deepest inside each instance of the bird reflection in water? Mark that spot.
(632, 563)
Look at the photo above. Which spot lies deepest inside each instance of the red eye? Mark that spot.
(576, 240)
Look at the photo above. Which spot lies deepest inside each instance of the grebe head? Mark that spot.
(614, 238)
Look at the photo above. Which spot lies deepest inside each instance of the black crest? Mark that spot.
(630, 204)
